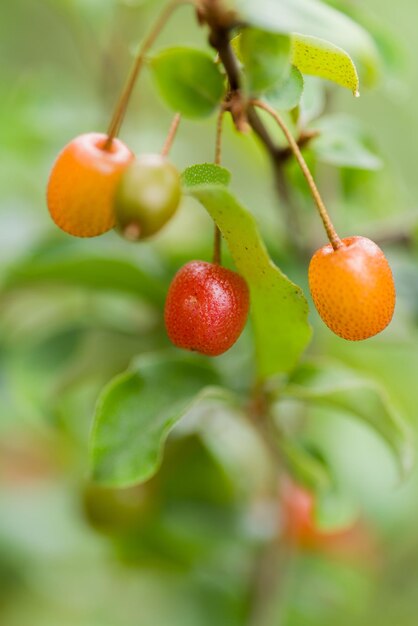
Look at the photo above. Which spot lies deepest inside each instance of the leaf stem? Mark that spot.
(171, 135)
(217, 241)
(322, 210)
(122, 105)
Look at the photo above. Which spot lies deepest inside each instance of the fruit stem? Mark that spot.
(122, 105)
(323, 213)
(171, 135)
(217, 242)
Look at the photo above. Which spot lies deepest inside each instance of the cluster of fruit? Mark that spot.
(94, 187)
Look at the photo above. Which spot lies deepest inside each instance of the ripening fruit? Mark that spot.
(147, 196)
(353, 288)
(300, 528)
(82, 184)
(206, 308)
(114, 510)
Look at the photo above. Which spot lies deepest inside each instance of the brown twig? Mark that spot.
(245, 115)
(217, 239)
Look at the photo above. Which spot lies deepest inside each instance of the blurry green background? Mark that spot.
(70, 555)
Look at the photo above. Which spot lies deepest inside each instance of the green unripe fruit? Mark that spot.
(115, 510)
(147, 196)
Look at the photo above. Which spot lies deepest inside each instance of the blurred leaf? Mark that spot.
(334, 386)
(191, 473)
(313, 18)
(318, 57)
(343, 142)
(266, 58)
(313, 100)
(137, 410)
(287, 95)
(189, 81)
(278, 306)
(205, 174)
(334, 511)
(81, 268)
(304, 465)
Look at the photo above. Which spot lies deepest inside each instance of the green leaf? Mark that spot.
(266, 58)
(70, 266)
(204, 174)
(189, 81)
(191, 472)
(286, 96)
(305, 466)
(343, 142)
(313, 100)
(334, 386)
(137, 410)
(278, 307)
(313, 18)
(334, 511)
(320, 58)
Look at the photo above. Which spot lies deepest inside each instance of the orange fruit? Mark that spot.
(353, 288)
(82, 184)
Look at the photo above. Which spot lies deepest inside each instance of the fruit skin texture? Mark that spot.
(353, 288)
(206, 308)
(82, 184)
(147, 196)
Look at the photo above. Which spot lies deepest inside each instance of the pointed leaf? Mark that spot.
(189, 81)
(318, 57)
(137, 410)
(278, 307)
(313, 18)
(334, 386)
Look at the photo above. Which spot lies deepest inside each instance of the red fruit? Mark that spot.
(206, 308)
(352, 288)
(82, 184)
(298, 515)
(300, 528)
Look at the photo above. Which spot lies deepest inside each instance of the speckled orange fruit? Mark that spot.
(82, 184)
(352, 288)
(206, 308)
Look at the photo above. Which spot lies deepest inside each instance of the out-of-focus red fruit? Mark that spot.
(300, 528)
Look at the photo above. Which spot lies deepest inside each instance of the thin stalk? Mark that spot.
(323, 213)
(171, 135)
(122, 105)
(217, 239)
